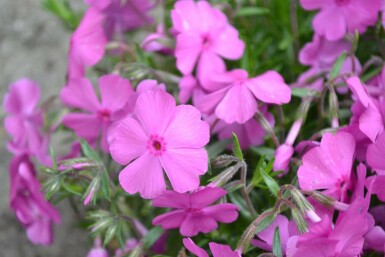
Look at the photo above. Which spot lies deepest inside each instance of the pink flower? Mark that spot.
(155, 42)
(122, 16)
(87, 44)
(115, 92)
(366, 111)
(375, 154)
(29, 204)
(234, 85)
(286, 230)
(218, 250)
(336, 17)
(329, 165)
(203, 35)
(283, 156)
(162, 135)
(98, 250)
(193, 213)
(24, 120)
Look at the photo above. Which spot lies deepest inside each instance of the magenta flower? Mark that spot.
(24, 120)
(154, 42)
(268, 88)
(114, 91)
(193, 213)
(218, 250)
(337, 17)
(87, 44)
(29, 204)
(204, 36)
(329, 165)
(162, 135)
(366, 111)
(98, 250)
(375, 155)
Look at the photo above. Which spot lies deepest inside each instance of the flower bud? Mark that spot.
(283, 155)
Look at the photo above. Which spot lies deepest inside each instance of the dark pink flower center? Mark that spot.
(342, 2)
(206, 41)
(156, 145)
(194, 211)
(104, 114)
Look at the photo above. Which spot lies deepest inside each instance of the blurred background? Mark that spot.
(34, 44)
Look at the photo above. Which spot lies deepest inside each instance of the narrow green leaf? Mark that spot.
(270, 183)
(303, 92)
(237, 148)
(277, 246)
(266, 222)
(337, 66)
(105, 186)
(152, 236)
(217, 148)
(251, 11)
(88, 151)
(53, 157)
(110, 233)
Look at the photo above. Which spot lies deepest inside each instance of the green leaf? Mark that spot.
(303, 92)
(88, 151)
(337, 66)
(270, 183)
(152, 236)
(110, 233)
(61, 9)
(217, 148)
(266, 222)
(72, 188)
(53, 157)
(237, 148)
(264, 151)
(105, 186)
(277, 246)
(251, 11)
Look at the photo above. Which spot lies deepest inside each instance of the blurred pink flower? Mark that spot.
(329, 165)
(193, 213)
(160, 135)
(218, 250)
(24, 120)
(234, 85)
(375, 155)
(203, 36)
(29, 204)
(98, 250)
(87, 44)
(337, 17)
(115, 92)
(155, 42)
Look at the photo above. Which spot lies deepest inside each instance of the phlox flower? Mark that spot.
(24, 119)
(203, 36)
(98, 250)
(375, 155)
(153, 42)
(235, 96)
(337, 17)
(160, 135)
(194, 212)
(329, 165)
(87, 43)
(286, 230)
(218, 250)
(29, 204)
(97, 116)
(121, 16)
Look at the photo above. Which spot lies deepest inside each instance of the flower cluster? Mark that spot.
(186, 133)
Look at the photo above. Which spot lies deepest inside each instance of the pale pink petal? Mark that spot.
(206, 196)
(219, 250)
(114, 91)
(187, 50)
(231, 109)
(149, 84)
(84, 125)
(358, 89)
(80, 94)
(127, 141)
(184, 16)
(192, 225)
(187, 85)
(40, 231)
(207, 103)
(270, 88)
(170, 220)
(172, 199)
(225, 212)
(209, 65)
(145, 176)
(330, 23)
(371, 123)
(155, 110)
(183, 167)
(315, 4)
(192, 247)
(187, 130)
(267, 234)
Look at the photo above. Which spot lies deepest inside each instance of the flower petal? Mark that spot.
(127, 141)
(114, 91)
(192, 247)
(79, 94)
(144, 175)
(84, 125)
(206, 196)
(225, 212)
(183, 167)
(173, 219)
(192, 225)
(172, 199)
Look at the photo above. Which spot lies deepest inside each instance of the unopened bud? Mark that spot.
(283, 156)
(312, 215)
(299, 220)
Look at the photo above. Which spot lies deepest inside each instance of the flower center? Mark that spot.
(206, 40)
(194, 211)
(156, 145)
(104, 114)
(342, 2)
